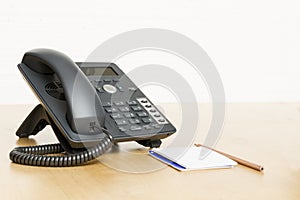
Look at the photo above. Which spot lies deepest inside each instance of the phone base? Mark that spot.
(38, 119)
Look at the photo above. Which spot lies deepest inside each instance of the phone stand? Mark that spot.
(38, 119)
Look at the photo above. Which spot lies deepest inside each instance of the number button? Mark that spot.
(119, 103)
(116, 116)
(134, 121)
(136, 108)
(146, 120)
(129, 115)
(124, 109)
(110, 110)
(142, 114)
(121, 122)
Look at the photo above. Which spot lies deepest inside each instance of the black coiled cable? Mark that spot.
(38, 155)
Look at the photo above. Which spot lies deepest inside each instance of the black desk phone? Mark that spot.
(89, 106)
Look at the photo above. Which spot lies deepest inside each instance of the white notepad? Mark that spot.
(184, 159)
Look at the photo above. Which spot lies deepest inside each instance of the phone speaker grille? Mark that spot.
(55, 90)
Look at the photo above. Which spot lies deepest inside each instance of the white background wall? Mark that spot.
(254, 44)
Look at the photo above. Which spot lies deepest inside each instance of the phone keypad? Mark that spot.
(134, 115)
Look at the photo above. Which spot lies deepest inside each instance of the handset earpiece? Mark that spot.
(84, 107)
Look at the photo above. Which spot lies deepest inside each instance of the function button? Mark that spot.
(122, 129)
(156, 115)
(119, 103)
(161, 120)
(99, 89)
(132, 103)
(116, 116)
(136, 108)
(110, 110)
(129, 115)
(146, 120)
(152, 110)
(148, 106)
(106, 80)
(106, 104)
(132, 89)
(109, 88)
(135, 128)
(147, 127)
(142, 114)
(144, 101)
(121, 122)
(120, 88)
(134, 121)
(124, 109)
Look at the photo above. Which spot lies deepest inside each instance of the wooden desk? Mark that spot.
(268, 134)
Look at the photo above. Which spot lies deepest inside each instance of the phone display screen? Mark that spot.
(98, 71)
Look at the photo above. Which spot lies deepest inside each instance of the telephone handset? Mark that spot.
(83, 104)
(89, 106)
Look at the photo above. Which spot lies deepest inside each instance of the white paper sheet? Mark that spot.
(185, 159)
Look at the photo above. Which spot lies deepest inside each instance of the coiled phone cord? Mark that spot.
(38, 155)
